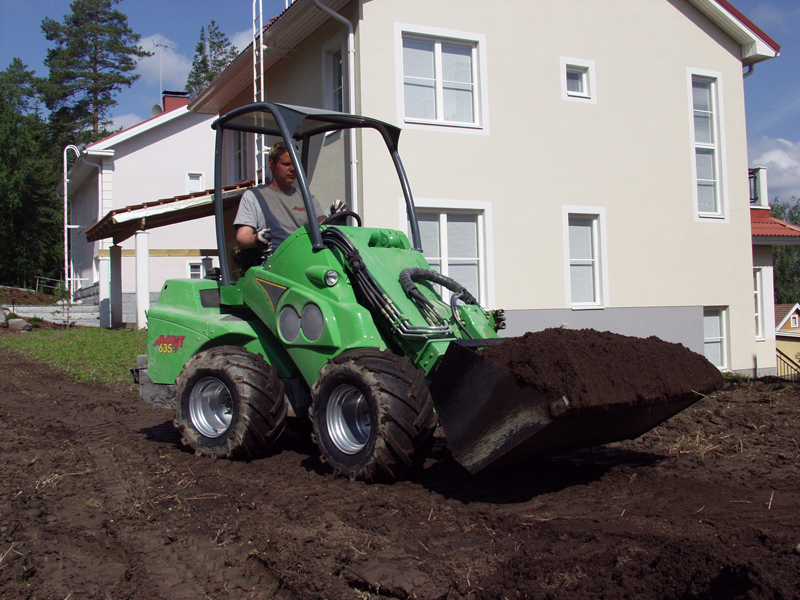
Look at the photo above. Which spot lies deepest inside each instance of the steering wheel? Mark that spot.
(341, 217)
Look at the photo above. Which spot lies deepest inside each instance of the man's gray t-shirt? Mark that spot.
(285, 211)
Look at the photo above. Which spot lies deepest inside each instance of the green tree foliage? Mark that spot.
(30, 213)
(786, 259)
(94, 58)
(211, 55)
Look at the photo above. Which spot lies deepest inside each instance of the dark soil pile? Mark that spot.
(590, 367)
(98, 500)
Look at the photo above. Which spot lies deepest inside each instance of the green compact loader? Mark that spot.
(344, 325)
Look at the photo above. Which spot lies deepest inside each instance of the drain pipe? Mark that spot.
(750, 69)
(351, 97)
(67, 281)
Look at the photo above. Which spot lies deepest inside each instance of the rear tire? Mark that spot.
(229, 404)
(373, 415)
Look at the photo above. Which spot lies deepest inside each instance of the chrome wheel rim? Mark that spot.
(211, 407)
(348, 418)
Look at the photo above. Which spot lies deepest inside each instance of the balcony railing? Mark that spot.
(787, 367)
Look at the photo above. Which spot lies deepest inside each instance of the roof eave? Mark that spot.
(774, 240)
(756, 46)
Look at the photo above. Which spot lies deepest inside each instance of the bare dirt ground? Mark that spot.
(97, 500)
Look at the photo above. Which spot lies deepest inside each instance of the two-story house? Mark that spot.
(579, 163)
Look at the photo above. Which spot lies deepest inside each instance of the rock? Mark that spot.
(19, 325)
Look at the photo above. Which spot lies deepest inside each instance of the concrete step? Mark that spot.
(76, 314)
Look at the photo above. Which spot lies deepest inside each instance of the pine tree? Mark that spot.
(30, 212)
(211, 56)
(95, 55)
(786, 259)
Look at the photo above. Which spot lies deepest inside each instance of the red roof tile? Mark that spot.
(762, 224)
(781, 310)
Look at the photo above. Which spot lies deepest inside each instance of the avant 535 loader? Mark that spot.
(344, 325)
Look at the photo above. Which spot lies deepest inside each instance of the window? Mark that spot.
(450, 243)
(194, 183)
(585, 257)
(333, 75)
(239, 156)
(337, 89)
(714, 336)
(759, 306)
(578, 80)
(456, 241)
(707, 141)
(441, 77)
(195, 271)
(795, 321)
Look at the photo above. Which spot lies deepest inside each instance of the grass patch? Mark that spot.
(85, 353)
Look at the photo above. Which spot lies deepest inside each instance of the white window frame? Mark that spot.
(722, 339)
(794, 321)
(758, 301)
(483, 210)
(721, 213)
(192, 263)
(597, 214)
(587, 68)
(480, 124)
(189, 175)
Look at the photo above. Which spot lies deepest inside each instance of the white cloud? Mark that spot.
(166, 62)
(125, 121)
(782, 159)
(242, 39)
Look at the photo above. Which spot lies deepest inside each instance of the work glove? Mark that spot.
(337, 206)
(264, 240)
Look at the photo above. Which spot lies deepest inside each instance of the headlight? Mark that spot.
(331, 278)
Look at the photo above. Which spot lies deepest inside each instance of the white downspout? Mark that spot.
(67, 280)
(351, 98)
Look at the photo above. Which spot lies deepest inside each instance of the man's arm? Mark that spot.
(246, 237)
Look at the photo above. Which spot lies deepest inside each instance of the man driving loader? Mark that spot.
(268, 214)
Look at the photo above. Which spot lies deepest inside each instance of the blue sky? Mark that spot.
(772, 92)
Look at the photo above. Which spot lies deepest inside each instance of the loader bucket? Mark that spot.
(492, 413)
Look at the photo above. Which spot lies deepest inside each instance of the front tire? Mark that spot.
(373, 415)
(229, 404)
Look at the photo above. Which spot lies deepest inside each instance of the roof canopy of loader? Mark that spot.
(302, 122)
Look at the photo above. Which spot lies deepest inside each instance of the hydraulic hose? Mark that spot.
(408, 275)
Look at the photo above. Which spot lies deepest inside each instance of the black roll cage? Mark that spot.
(300, 123)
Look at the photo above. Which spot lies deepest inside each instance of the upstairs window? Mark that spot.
(239, 156)
(441, 78)
(578, 80)
(337, 88)
(708, 146)
(194, 183)
(334, 70)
